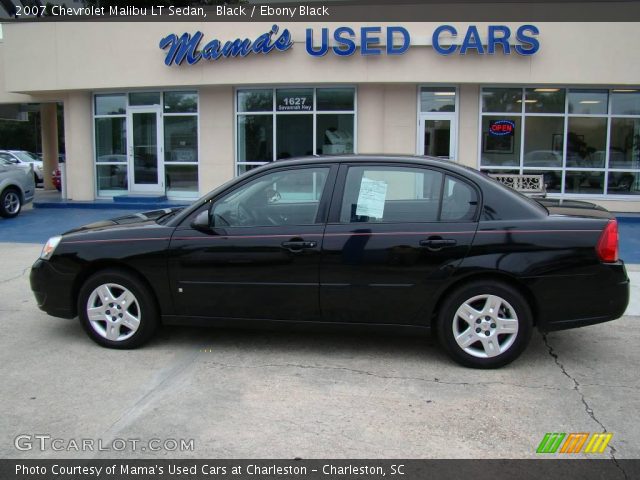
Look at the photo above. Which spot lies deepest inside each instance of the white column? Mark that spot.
(49, 133)
(78, 136)
(468, 125)
(216, 137)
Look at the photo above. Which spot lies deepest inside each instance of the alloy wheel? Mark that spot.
(485, 326)
(113, 312)
(11, 203)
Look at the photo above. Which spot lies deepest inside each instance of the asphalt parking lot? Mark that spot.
(248, 394)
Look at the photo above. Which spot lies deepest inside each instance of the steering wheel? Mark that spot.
(244, 216)
(273, 196)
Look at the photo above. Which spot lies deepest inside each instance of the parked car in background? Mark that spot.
(17, 188)
(56, 178)
(404, 243)
(25, 158)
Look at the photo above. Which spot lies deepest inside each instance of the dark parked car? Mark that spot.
(396, 242)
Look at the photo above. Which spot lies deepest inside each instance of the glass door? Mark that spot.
(437, 136)
(146, 166)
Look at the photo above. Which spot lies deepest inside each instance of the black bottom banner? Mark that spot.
(298, 469)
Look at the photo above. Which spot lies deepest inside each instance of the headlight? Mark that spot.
(50, 247)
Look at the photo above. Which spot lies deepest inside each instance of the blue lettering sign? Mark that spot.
(345, 42)
(530, 44)
(345, 45)
(324, 47)
(497, 35)
(436, 39)
(186, 46)
(397, 49)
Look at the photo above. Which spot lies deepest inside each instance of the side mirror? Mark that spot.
(201, 222)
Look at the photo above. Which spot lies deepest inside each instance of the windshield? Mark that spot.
(26, 156)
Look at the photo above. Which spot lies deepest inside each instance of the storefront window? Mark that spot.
(624, 149)
(255, 100)
(180, 102)
(294, 100)
(586, 142)
(180, 122)
(112, 104)
(501, 141)
(502, 100)
(294, 135)
(544, 100)
(437, 99)
(181, 138)
(588, 102)
(284, 123)
(543, 142)
(111, 139)
(334, 133)
(255, 138)
(565, 133)
(584, 182)
(333, 99)
(144, 98)
(625, 102)
(181, 178)
(112, 178)
(143, 123)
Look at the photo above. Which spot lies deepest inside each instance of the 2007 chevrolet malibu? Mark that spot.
(397, 242)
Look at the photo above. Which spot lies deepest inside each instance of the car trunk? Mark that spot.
(575, 208)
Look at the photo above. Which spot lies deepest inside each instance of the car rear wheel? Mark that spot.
(117, 310)
(484, 324)
(10, 203)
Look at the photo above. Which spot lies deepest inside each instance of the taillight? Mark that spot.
(607, 246)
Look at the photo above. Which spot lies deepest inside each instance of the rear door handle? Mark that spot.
(298, 245)
(438, 243)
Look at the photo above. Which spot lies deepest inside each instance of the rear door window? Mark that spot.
(389, 194)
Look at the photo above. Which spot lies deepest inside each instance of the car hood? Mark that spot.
(574, 208)
(133, 220)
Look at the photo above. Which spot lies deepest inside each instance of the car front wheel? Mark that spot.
(484, 324)
(10, 203)
(117, 310)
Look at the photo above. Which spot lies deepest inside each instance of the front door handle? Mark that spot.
(298, 245)
(438, 243)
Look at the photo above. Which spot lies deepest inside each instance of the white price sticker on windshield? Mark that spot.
(371, 198)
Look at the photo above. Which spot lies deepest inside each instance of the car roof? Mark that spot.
(378, 158)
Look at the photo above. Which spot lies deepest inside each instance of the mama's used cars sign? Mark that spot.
(344, 41)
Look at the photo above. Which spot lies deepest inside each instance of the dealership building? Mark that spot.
(166, 109)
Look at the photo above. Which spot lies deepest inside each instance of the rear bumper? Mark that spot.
(52, 290)
(587, 301)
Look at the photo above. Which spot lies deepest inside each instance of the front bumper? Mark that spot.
(52, 290)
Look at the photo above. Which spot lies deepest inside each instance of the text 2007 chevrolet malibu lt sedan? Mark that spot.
(399, 242)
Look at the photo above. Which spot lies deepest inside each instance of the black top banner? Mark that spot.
(330, 11)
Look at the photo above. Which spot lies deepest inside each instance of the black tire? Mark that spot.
(146, 309)
(13, 194)
(514, 343)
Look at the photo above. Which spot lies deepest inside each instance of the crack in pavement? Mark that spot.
(139, 405)
(587, 408)
(17, 276)
(389, 377)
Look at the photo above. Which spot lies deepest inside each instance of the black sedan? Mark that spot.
(404, 243)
